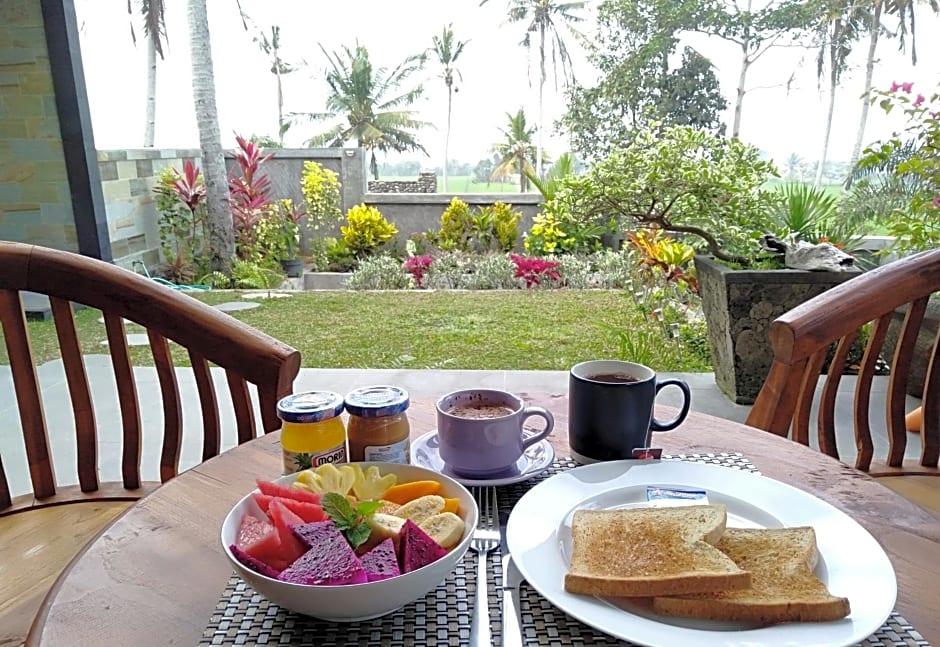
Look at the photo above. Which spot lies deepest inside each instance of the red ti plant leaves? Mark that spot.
(533, 270)
(188, 188)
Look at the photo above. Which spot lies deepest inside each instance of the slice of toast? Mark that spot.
(644, 552)
(783, 588)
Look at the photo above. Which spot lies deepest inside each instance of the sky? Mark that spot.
(495, 76)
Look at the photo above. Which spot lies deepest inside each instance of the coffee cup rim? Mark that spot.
(505, 397)
(584, 370)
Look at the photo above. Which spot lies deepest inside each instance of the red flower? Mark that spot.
(907, 86)
(417, 266)
(533, 270)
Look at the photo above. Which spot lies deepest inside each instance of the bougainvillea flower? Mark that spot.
(895, 86)
(907, 86)
(919, 100)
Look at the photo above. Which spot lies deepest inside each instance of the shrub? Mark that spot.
(183, 223)
(505, 225)
(321, 191)
(535, 270)
(418, 266)
(380, 273)
(613, 269)
(491, 272)
(487, 228)
(456, 226)
(546, 235)
(575, 272)
(366, 230)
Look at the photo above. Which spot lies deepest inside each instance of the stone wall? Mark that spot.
(35, 201)
(127, 181)
(426, 183)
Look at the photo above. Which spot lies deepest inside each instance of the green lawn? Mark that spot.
(523, 329)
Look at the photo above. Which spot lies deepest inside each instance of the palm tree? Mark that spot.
(153, 14)
(272, 47)
(516, 151)
(545, 17)
(370, 104)
(904, 10)
(221, 235)
(447, 51)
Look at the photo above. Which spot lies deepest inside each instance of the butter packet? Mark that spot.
(666, 497)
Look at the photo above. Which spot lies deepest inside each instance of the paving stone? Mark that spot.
(235, 306)
(267, 295)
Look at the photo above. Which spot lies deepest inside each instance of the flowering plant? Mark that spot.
(917, 147)
(533, 270)
(418, 266)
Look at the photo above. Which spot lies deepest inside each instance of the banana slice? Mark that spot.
(388, 507)
(421, 508)
(445, 528)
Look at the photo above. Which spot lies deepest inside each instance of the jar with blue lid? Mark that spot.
(312, 431)
(378, 428)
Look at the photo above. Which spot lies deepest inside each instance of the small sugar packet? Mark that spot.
(664, 497)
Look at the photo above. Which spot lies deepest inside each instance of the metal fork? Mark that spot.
(485, 540)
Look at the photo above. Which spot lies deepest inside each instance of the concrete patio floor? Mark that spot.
(706, 398)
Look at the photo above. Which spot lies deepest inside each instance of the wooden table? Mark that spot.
(155, 575)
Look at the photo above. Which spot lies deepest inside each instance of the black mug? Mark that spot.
(610, 409)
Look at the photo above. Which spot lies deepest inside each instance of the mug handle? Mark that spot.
(546, 415)
(656, 425)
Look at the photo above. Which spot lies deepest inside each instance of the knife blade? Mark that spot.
(512, 579)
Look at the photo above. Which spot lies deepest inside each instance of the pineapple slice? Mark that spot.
(445, 528)
(328, 478)
(421, 508)
(370, 485)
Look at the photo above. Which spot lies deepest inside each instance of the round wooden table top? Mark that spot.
(155, 575)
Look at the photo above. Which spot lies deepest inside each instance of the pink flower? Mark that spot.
(935, 115)
(919, 100)
(936, 202)
(417, 266)
(907, 86)
(895, 86)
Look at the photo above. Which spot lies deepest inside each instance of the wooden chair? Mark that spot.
(39, 534)
(800, 340)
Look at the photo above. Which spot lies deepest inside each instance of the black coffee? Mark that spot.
(480, 410)
(612, 378)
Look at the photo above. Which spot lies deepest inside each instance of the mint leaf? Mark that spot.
(339, 510)
(366, 508)
(358, 535)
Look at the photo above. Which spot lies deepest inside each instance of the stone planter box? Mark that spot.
(739, 306)
(325, 280)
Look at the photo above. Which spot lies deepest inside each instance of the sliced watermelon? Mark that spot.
(291, 548)
(261, 540)
(298, 494)
(308, 512)
(251, 530)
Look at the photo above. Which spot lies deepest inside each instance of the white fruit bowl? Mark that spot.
(353, 602)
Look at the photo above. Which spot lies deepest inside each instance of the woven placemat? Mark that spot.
(243, 617)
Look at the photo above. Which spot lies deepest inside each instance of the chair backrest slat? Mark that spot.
(127, 400)
(241, 402)
(866, 375)
(86, 430)
(172, 410)
(28, 394)
(209, 405)
(897, 384)
(804, 401)
(826, 425)
(930, 427)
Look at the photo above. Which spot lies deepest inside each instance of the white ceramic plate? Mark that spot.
(851, 562)
(425, 452)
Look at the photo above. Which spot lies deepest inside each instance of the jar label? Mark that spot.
(298, 461)
(399, 452)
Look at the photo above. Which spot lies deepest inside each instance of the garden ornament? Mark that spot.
(800, 255)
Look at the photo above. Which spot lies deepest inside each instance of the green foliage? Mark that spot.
(490, 226)
(916, 224)
(806, 212)
(339, 258)
(505, 225)
(560, 230)
(321, 190)
(247, 275)
(516, 151)
(546, 235)
(681, 180)
(366, 230)
(380, 273)
(456, 226)
(562, 168)
(183, 232)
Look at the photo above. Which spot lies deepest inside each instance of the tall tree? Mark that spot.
(515, 151)
(447, 50)
(279, 67)
(904, 11)
(838, 29)
(370, 104)
(221, 235)
(546, 18)
(154, 19)
(633, 44)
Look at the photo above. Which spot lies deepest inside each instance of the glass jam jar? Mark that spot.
(378, 427)
(312, 431)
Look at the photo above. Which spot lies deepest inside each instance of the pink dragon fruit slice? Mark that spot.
(254, 564)
(380, 563)
(330, 561)
(417, 548)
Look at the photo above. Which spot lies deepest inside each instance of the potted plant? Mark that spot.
(708, 191)
(279, 232)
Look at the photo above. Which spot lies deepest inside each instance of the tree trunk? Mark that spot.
(833, 80)
(150, 119)
(739, 97)
(221, 235)
(280, 103)
(538, 150)
(869, 72)
(447, 134)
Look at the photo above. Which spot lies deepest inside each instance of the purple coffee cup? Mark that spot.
(480, 431)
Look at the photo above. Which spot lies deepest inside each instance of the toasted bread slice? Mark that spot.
(783, 587)
(644, 552)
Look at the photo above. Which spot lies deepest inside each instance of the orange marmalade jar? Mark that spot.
(378, 427)
(312, 431)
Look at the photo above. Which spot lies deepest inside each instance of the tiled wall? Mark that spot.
(127, 181)
(35, 203)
